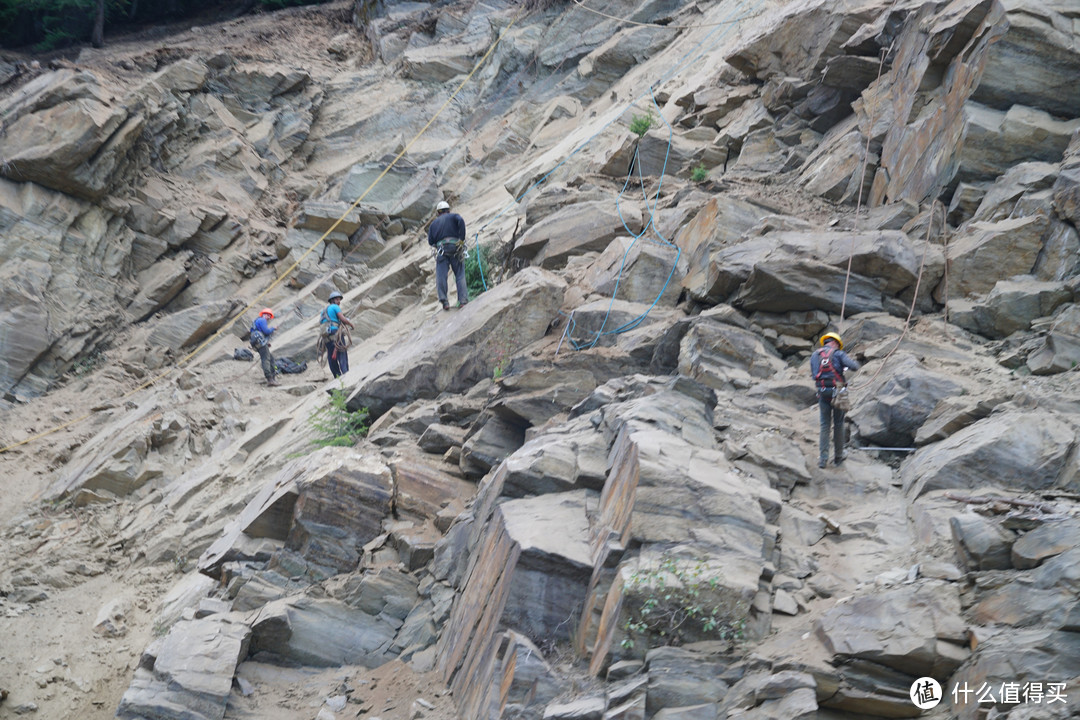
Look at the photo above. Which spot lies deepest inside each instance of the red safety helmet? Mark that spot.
(267, 311)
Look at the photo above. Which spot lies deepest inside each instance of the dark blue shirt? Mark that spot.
(448, 226)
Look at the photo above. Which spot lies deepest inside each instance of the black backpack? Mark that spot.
(257, 337)
(828, 375)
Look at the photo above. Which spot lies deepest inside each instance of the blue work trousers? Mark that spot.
(444, 263)
(337, 359)
(833, 419)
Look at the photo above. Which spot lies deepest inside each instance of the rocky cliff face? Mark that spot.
(592, 492)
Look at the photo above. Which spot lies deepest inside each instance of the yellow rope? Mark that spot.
(180, 363)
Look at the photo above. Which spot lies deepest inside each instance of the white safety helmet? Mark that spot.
(443, 205)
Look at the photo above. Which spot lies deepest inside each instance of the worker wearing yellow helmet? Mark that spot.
(827, 365)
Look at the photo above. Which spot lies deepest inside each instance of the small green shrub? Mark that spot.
(478, 259)
(699, 174)
(88, 363)
(640, 124)
(677, 600)
(335, 425)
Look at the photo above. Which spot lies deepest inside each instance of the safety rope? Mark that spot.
(341, 338)
(915, 294)
(631, 324)
(180, 363)
(859, 190)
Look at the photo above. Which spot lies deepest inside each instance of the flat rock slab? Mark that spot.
(192, 671)
(452, 352)
(1044, 542)
(916, 630)
(1031, 449)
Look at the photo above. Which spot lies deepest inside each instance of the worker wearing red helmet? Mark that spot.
(259, 336)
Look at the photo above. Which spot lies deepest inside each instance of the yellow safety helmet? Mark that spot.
(831, 336)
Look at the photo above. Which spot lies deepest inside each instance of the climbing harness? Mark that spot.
(443, 248)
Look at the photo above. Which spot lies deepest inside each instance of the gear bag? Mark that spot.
(289, 367)
(257, 338)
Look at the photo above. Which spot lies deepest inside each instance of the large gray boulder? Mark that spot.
(1060, 351)
(191, 326)
(679, 677)
(340, 507)
(322, 633)
(783, 285)
(721, 355)
(575, 230)
(981, 543)
(402, 192)
(891, 410)
(440, 62)
(1020, 657)
(1018, 184)
(458, 350)
(611, 61)
(565, 458)
(721, 222)
(1012, 305)
(888, 255)
(800, 40)
(1045, 541)
(64, 132)
(917, 630)
(189, 672)
(996, 140)
(158, 285)
(1032, 449)
(640, 271)
(982, 254)
(324, 506)
(1035, 58)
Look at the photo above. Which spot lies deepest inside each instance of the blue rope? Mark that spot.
(631, 324)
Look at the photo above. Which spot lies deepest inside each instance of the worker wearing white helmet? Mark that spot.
(447, 238)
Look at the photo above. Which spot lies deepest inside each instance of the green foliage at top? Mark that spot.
(335, 426)
(278, 4)
(50, 24)
(699, 174)
(478, 258)
(640, 124)
(678, 600)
